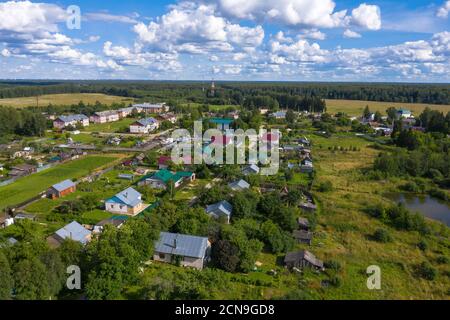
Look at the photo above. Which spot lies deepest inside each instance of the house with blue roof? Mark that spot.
(61, 189)
(187, 250)
(127, 202)
(144, 126)
(404, 114)
(73, 231)
(220, 210)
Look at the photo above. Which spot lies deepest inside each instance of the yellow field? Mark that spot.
(63, 99)
(356, 107)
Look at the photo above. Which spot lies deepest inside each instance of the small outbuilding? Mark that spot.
(61, 189)
(302, 259)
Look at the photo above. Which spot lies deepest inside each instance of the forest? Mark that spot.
(235, 92)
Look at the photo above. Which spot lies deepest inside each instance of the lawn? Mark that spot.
(30, 186)
(64, 99)
(356, 107)
(110, 127)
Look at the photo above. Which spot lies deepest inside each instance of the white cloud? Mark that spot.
(444, 10)
(299, 51)
(351, 34)
(214, 58)
(313, 34)
(6, 53)
(196, 29)
(94, 38)
(367, 16)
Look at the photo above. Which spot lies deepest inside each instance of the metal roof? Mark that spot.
(149, 105)
(74, 231)
(66, 184)
(241, 184)
(182, 245)
(147, 121)
(73, 117)
(129, 197)
(223, 207)
(221, 121)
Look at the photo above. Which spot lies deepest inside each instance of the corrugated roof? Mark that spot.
(129, 197)
(182, 245)
(147, 121)
(74, 231)
(73, 117)
(66, 184)
(241, 184)
(221, 121)
(223, 207)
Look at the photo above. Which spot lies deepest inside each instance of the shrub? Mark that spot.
(382, 235)
(422, 245)
(333, 265)
(442, 260)
(325, 186)
(426, 271)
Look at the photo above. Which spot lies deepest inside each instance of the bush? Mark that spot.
(426, 271)
(325, 186)
(422, 245)
(332, 265)
(443, 260)
(382, 235)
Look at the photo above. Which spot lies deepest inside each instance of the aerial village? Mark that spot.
(132, 182)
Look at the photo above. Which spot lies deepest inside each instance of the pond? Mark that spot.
(428, 206)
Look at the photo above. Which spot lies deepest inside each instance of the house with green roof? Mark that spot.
(161, 178)
(222, 124)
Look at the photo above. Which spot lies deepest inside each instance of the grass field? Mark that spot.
(64, 99)
(30, 186)
(110, 127)
(356, 107)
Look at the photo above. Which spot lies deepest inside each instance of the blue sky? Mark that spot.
(294, 40)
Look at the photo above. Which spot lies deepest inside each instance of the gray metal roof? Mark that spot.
(252, 168)
(73, 117)
(182, 245)
(130, 197)
(147, 121)
(74, 231)
(66, 184)
(222, 207)
(241, 184)
(149, 105)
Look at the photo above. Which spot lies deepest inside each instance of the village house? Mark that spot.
(144, 126)
(71, 120)
(279, 115)
(306, 166)
(303, 236)
(308, 206)
(160, 179)
(404, 114)
(302, 259)
(171, 117)
(239, 185)
(152, 108)
(125, 112)
(105, 116)
(187, 250)
(222, 124)
(128, 202)
(61, 189)
(22, 170)
(116, 221)
(251, 169)
(220, 210)
(73, 231)
(303, 224)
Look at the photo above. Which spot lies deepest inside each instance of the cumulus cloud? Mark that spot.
(367, 16)
(444, 10)
(196, 29)
(107, 17)
(303, 13)
(351, 34)
(313, 34)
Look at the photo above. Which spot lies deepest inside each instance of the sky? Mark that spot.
(248, 40)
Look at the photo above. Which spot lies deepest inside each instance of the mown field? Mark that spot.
(30, 186)
(111, 127)
(64, 99)
(356, 107)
